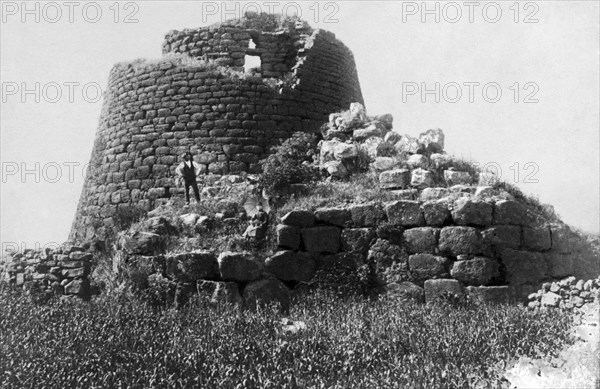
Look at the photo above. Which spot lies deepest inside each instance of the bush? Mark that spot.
(291, 163)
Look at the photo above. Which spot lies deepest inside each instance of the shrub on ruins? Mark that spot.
(290, 163)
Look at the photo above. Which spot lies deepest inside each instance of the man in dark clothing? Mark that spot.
(188, 170)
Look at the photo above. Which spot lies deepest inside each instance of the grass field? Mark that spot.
(117, 341)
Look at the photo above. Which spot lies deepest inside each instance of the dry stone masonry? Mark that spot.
(197, 98)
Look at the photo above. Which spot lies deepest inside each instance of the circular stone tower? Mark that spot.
(197, 97)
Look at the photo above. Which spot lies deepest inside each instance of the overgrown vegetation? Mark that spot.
(116, 341)
(290, 163)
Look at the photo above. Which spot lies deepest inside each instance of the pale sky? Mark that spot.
(552, 62)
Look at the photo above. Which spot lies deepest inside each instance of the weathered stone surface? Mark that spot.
(382, 164)
(418, 161)
(340, 217)
(75, 273)
(142, 243)
(523, 267)
(433, 194)
(392, 137)
(395, 179)
(550, 299)
(421, 178)
(536, 238)
(405, 291)
(80, 256)
(477, 271)
(432, 140)
(323, 239)
(390, 261)
(460, 240)
(189, 219)
(565, 240)
(339, 261)
(453, 177)
(489, 294)
(503, 236)
(239, 266)
(299, 219)
(408, 144)
(436, 213)
(467, 212)
(559, 265)
(344, 151)
(219, 293)
(288, 236)
(440, 160)
(363, 134)
(336, 169)
(425, 266)
(366, 215)
(267, 291)
(421, 240)
(393, 234)
(514, 213)
(435, 289)
(193, 266)
(357, 239)
(291, 266)
(405, 213)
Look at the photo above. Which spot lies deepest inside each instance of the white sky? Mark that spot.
(558, 55)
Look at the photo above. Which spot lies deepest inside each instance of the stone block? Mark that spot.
(503, 236)
(472, 212)
(395, 179)
(357, 239)
(421, 178)
(288, 237)
(79, 287)
(536, 238)
(460, 240)
(291, 266)
(514, 213)
(405, 213)
(421, 240)
(382, 164)
(476, 271)
(523, 267)
(193, 266)
(339, 217)
(436, 213)
(389, 260)
(436, 289)
(453, 177)
(432, 140)
(433, 194)
(299, 219)
(323, 239)
(239, 266)
(426, 266)
(366, 215)
(559, 265)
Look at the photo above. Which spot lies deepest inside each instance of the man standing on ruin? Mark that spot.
(188, 170)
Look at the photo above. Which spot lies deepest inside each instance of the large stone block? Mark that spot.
(536, 238)
(514, 213)
(142, 243)
(421, 240)
(559, 265)
(428, 194)
(193, 266)
(476, 271)
(291, 266)
(523, 267)
(436, 289)
(472, 212)
(390, 261)
(460, 240)
(323, 239)
(80, 287)
(299, 219)
(357, 239)
(405, 213)
(366, 215)
(339, 217)
(432, 140)
(239, 266)
(489, 294)
(425, 266)
(395, 179)
(436, 213)
(288, 236)
(503, 236)
(265, 292)
(421, 178)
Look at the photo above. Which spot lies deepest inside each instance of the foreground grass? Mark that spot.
(119, 342)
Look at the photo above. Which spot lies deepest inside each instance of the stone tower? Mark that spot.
(197, 97)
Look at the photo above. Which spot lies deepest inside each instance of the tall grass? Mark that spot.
(119, 342)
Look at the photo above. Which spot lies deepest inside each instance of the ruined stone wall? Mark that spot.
(155, 111)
